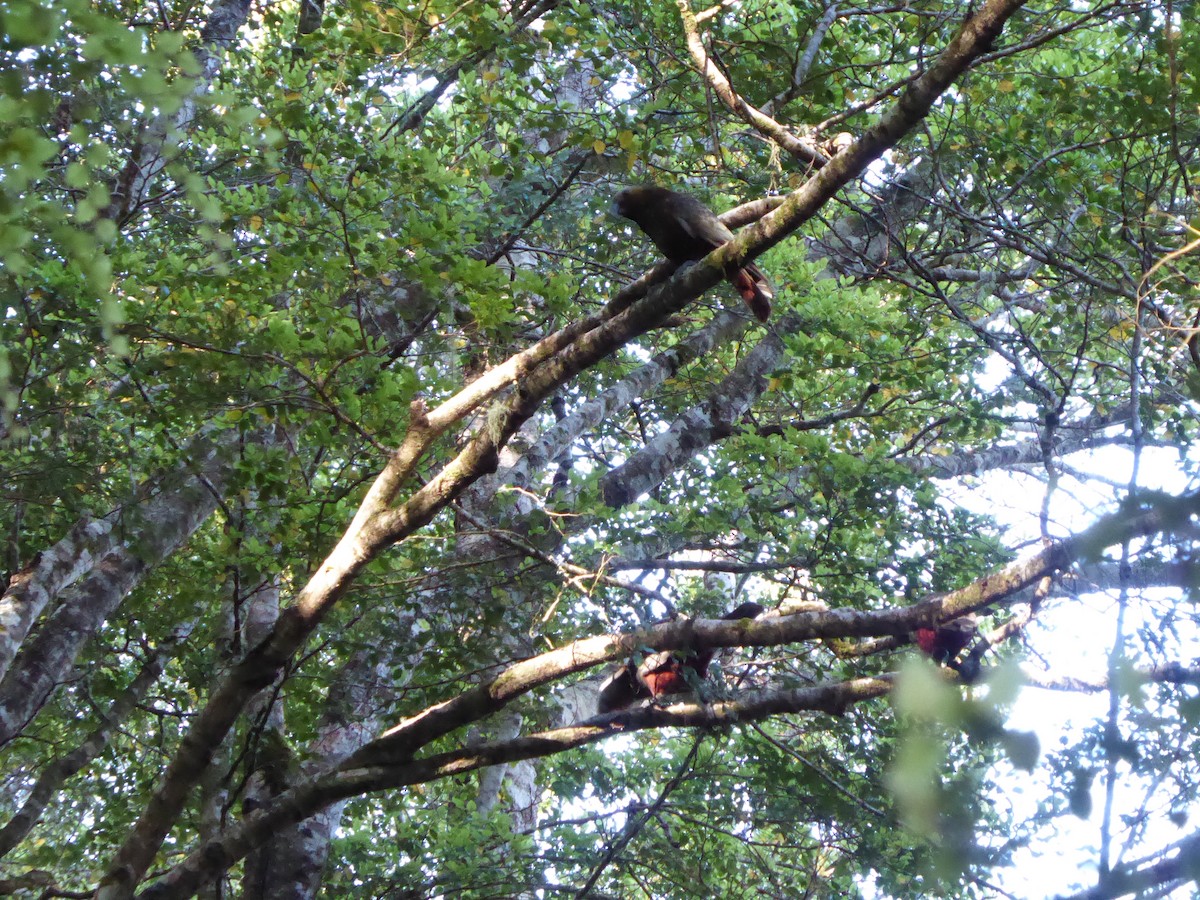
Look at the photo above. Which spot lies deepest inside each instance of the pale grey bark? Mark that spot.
(53, 570)
(270, 758)
(1086, 434)
(558, 438)
(55, 775)
(215, 785)
(506, 727)
(297, 856)
(137, 537)
(518, 779)
(159, 141)
(695, 429)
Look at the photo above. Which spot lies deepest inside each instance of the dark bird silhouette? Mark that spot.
(684, 229)
(944, 643)
(662, 673)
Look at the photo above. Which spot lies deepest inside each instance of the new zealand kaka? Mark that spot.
(684, 229)
(944, 643)
(662, 673)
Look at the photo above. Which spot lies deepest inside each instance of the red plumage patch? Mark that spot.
(669, 679)
(927, 640)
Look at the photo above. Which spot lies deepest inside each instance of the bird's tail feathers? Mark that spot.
(755, 290)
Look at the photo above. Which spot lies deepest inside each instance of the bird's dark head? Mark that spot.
(748, 610)
(624, 203)
(629, 203)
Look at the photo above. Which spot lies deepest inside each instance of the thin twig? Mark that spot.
(633, 826)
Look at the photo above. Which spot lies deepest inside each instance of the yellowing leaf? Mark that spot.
(256, 223)
(1121, 330)
(1006, 86)
(599, 146)
(625, 139)
(490, 76)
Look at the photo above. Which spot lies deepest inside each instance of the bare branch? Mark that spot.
(760, 121)
(300, 802)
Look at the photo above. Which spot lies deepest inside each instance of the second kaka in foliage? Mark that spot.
(944, 643)
(684, 229)
(662, 673)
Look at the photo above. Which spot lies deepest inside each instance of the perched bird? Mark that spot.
(662, 673)
(944, 643)
(685, 229)
(620, 690)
